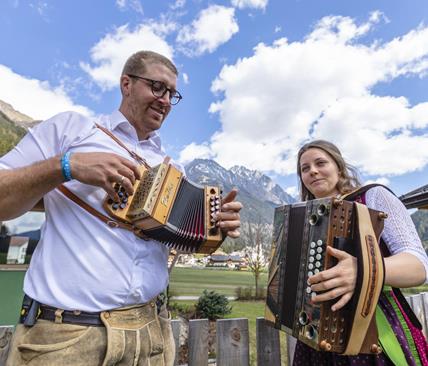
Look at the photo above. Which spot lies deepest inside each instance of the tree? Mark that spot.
(3, 230)
(257, 238)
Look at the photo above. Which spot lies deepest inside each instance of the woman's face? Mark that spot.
(319, 173)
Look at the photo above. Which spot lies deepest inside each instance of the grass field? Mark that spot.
(192, 281)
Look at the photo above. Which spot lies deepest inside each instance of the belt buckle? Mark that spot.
(58, 316)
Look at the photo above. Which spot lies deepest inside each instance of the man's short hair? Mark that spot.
(136, 64)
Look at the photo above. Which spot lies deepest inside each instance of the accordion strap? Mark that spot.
(351, 196)
(107, 220)
(132, 153)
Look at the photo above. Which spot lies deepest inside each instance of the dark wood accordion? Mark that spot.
(169, 208)
(302, 232)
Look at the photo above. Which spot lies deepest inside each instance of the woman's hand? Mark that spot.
(336, 282)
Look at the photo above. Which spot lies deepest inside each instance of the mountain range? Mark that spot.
(258, 192)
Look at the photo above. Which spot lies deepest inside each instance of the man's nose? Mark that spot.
(165, 98)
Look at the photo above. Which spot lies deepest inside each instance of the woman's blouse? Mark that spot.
(399, 232)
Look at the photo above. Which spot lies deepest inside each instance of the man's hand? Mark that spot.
(228, 219)
(104, 170)
(336, 282)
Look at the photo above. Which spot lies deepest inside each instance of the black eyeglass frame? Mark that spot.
(173, 94)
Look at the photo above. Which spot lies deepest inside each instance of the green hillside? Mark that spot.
(10, 134)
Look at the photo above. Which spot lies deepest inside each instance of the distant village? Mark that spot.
(16, 250)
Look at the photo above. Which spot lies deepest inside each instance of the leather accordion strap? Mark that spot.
(351, 196)
(132, 153)
(372, 281)
(107, 220)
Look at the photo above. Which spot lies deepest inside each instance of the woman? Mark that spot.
(324, 173)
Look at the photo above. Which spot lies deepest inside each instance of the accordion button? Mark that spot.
(316, 271)
(115, 206)
(308, 290)
(319, 250)
(122, 205)
(312, 252)
(313, 244)
(311, 259)
(318, 264)
(310, 266)
(319, 242)
(310, 273)
(318, 256)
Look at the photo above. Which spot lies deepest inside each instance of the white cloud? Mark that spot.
(381, 180)
(111, 52)
(255, 4)
(178, 4)
(185, 78)
(322, 87)
(213, 27)
(40, 6)
(293, 191)
(121, 4)
(28, 222)
(134, 5)
(35, 98)
(194, 151)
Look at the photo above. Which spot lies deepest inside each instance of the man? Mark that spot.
(97, 284)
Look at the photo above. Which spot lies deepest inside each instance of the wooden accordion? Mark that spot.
(169, 208)
(302, 232)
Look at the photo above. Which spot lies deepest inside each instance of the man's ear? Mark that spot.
(125, 85)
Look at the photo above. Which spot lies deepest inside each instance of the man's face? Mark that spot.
(145, 111)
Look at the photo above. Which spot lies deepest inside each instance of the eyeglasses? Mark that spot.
(159, 89)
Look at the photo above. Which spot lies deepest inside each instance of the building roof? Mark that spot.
(225, 258)
(417, 198)
(17, 241)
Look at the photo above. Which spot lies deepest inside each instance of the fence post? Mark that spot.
(175, 324)
(424, 296)
(233, 342)
(268, 346)
(416, 302)
(291, 346)
(198, 342)
(5, 338)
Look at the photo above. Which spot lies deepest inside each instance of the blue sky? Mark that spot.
(259, 77)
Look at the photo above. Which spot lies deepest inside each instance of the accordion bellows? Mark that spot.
(169, 208)
(302, 232)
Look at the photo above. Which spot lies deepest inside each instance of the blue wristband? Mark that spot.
(65, 166)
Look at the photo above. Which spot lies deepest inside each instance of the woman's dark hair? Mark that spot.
(348, 175)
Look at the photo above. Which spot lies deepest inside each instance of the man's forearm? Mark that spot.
(21, 189)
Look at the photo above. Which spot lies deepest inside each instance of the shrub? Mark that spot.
(249, 293)
(244, 293)
(182, 310)
(212, 305)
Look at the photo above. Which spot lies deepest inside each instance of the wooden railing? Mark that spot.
(232, 340)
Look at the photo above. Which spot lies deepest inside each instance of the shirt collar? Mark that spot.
(118, 120)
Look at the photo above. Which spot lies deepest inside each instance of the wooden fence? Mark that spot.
(232, 337)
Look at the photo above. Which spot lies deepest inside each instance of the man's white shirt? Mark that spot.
(81, 263)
